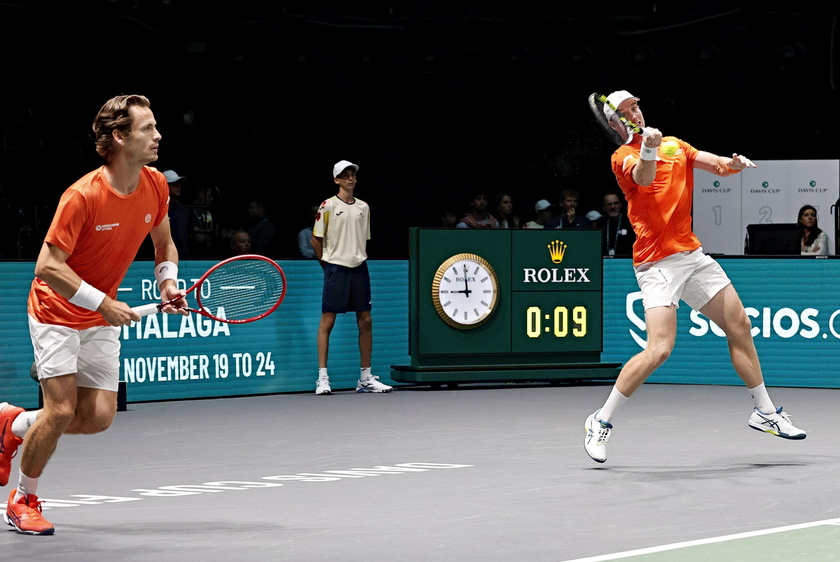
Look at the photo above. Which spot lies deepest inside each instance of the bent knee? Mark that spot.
(97, 426)
(659, 354)
(90, 424)
(740, 326)
(58, 415)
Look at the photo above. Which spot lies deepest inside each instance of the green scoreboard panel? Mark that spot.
(504, 301)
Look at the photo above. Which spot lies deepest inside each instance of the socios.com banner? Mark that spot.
(794, 307)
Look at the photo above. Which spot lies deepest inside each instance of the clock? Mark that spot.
(465, 291)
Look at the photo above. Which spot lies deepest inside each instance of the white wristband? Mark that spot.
(87, 297)
(648, 153)
(166, 270)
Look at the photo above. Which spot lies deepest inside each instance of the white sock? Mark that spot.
(365, 373)
(614, 401)
(23, 422)
(26, 485)
(322, 373)
(762, 399)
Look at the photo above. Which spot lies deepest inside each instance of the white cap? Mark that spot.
(343, 165)
(542, 205)
(593, 215)
(172, 177)
(617, 98)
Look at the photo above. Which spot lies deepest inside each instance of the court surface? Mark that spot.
(479, 473)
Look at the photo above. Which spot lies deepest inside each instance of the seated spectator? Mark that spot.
(262, 230)
(179, 214)
(448, 218)
(202, 224)
(240, 243)
(503, 211)
(479, 216)
(618, 232)
(814, 239)
(544, 210)
(305, 235)
(567, 216)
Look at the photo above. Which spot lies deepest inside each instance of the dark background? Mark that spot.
(433, 100)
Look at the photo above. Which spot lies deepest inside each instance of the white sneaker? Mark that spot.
(322, 386)
(372, 384)
(777, 423)
(597, 435)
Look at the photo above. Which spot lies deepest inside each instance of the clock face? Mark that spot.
(465, 291)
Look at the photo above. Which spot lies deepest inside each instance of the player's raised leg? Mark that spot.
(9, 442)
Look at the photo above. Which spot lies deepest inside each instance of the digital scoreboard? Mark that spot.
(502, 304)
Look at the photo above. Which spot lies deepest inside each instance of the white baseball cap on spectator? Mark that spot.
(172, 176)
(542, 205)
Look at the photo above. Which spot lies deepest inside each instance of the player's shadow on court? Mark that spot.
(675, 473)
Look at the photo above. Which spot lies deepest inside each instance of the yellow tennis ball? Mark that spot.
(670, 148)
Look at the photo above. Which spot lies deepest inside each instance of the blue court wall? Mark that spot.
(793, 304)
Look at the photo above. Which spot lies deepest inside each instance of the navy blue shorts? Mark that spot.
(346, 289)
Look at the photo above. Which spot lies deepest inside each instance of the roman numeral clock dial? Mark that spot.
(465, 291)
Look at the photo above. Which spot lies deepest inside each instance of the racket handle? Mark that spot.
(146, 309)
(646, 132)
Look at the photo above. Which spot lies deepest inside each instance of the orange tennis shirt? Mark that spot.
(102, 231)
(661, 212)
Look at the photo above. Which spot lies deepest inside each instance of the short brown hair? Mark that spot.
(115, 115)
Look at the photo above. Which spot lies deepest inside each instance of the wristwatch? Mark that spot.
(465, 291)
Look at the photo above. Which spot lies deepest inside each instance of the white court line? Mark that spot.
(237, 287)
(700, 542)
(124, 289)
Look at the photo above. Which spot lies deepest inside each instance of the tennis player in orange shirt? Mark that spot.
(74, 317)
(656, 175)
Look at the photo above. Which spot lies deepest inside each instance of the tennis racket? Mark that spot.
(237, 290)
(597, 103)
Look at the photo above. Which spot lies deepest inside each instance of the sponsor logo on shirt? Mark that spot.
(112, 226)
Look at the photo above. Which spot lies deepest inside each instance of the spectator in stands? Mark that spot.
(448, 218)
(305, 235)
(203, 226)
(567, 217)
(179, 214)
(814, 239)
(618, 232)
(262, 230)
(240, 243)
(544, 210)
(503, 211)
(479, 216)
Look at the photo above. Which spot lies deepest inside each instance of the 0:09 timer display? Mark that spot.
(555, 322)
(561, 322)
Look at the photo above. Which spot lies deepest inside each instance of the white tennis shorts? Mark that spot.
(691, 276)
(92, 354)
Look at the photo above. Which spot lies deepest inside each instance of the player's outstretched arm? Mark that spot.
(722, 165)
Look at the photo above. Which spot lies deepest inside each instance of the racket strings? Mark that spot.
(241, 289)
